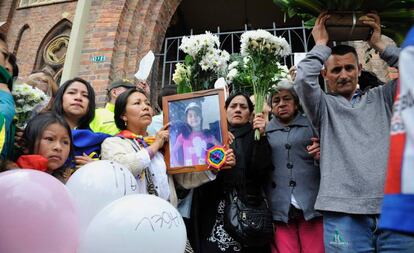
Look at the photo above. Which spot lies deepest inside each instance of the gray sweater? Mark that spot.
(292, 163)
(354, 138)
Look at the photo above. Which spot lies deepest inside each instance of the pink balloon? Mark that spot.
(37, 214)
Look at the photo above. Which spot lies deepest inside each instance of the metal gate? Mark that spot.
(297, 37)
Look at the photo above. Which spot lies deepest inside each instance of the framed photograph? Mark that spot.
(197, 124)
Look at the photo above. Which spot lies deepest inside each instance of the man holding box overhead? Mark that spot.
(354, 138)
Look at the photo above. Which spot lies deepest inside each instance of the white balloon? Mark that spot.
(136, 224)
(97, 184)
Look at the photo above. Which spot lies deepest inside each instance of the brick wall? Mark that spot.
(123, 32)
(375, 63)
(6, 13)
(41, 20)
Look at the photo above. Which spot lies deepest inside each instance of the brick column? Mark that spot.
(122, 31)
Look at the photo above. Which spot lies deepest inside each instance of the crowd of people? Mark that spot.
(321, 160)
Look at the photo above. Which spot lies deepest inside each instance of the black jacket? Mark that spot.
(253, 161)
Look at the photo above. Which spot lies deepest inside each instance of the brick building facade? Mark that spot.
(27, 28)
(121, 32)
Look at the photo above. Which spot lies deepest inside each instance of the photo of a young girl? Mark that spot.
(48, 145)
(193, 136)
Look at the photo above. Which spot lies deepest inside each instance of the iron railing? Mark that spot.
(297, 37)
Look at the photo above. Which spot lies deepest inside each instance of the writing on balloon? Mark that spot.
(165, 220)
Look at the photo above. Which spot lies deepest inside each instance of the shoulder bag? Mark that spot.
(248, 218)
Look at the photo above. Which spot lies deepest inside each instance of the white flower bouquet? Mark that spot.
(283, 74)
(203, 63)
(196, 45)
(215, 60)
(262, 42)
(27, 99)
(260, 53)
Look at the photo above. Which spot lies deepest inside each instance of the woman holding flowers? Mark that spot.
(258, 66)
(39, 98)
(43, 81)
(248, 176)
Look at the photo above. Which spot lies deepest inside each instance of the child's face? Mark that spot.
(54, 144)
(193, 119)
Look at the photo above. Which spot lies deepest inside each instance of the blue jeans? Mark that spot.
(350, 233)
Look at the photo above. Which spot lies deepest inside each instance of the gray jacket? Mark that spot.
(295, 171)
(354, 137)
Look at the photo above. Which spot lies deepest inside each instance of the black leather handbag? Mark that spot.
(248, 219)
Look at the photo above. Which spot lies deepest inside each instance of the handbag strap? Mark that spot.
(151, 189)
(150, 183)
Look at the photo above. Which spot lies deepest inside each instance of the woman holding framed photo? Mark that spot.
(133, 114)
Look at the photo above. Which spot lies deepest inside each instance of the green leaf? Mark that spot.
(397, 13)
(205, 85)
(180, 89)
(291, 12)
(315, 7)
(184, 87)
(310, 23)
(282, 3)
(397, 16)
(188, 60)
